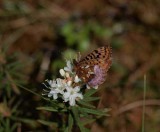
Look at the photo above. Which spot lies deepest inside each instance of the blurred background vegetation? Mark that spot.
(36, 36)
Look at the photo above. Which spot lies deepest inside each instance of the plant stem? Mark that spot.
(144, 101)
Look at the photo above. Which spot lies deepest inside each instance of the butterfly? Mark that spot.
(94, 66)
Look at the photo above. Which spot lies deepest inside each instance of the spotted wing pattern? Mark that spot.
(101, 57)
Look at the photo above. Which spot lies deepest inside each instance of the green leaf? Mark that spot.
(86, 104)
(70, 123)
(16, 75)
(79, 123)
(105, 110)
(90, 92)
(88, 121)
(7, 124)
(57, 64)
(47, 109)
(75, 113)
(69, 54)
(86, 130)
(14, 126)
(66, 130)
(82, 128)
(27, 89)
(83, 113)
(89, 99)
(95, 112)
(15, 65)
(83, 44)
(68, 32)
(32, 123)
(15, 107)
(48, 123)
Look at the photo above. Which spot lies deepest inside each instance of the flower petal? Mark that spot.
(69, 67)
(76, 89)
(72, 101)
(55, 96)
(77, 79)
(66, 95)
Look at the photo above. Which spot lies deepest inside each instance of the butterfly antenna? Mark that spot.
(79, 56)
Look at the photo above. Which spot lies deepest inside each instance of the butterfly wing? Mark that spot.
(100, 57)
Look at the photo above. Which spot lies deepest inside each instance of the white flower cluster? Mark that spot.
(67, 88)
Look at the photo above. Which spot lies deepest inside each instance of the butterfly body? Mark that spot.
(86, 68)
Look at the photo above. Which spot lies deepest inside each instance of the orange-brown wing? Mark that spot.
(100, 57)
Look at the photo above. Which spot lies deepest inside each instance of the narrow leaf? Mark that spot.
(89, 99)
(88, 121)
(48, 123)
(82, 128)
(79, 123)
(75, 113)
(47, 109)
(32, 123)
(66, 130)
(86, 104)
(90, 92)
(95, 112)
(70, 123)
(14, 65)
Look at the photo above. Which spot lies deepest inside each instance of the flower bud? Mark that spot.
(69, 83)
(67, 75)
(62, 72)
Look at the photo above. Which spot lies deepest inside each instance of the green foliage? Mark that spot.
(69, 54)
(15, 8)
(57, 65)
(79, 35)
(75, 114)
(50, 124)
(76, 35)
(5, 125)
(10, 76)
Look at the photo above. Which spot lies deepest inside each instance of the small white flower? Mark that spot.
(77, 79)
(60, 84)
(65, 88)
(72, 95)
(52, 83)
(69, 67)
(53, 93)
(56, 87)
(62, 72)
